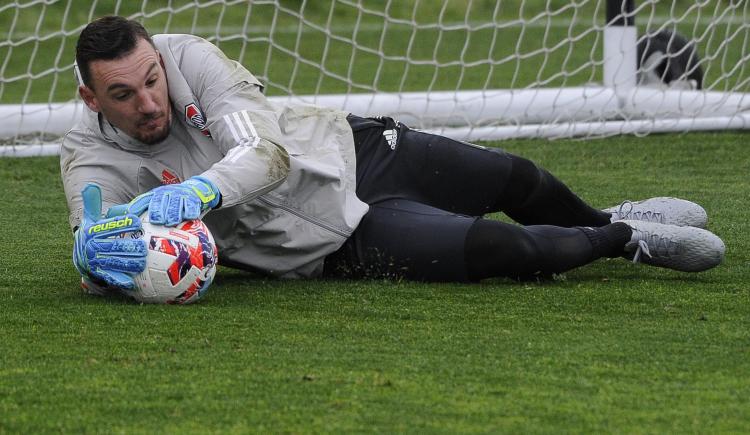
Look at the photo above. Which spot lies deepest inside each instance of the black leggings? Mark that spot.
(427, 196)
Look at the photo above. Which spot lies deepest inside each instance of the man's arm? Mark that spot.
(241, 121)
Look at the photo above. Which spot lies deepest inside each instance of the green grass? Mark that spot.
(611, 347)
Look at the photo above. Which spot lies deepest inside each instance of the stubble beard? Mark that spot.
(155, 136)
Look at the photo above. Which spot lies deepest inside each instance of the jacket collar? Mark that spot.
(117, 137)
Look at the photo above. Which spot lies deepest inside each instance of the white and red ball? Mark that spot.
(180, 264)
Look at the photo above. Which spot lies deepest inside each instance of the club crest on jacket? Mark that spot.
(194, 117)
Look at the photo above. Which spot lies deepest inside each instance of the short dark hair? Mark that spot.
(107, 38)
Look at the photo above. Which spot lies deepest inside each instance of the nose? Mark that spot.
(147, 103)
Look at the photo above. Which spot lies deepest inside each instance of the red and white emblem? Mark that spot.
(169, 178)
(194, 117)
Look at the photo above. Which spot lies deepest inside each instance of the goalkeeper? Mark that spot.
(176, 129)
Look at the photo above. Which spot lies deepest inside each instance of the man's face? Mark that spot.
(131, 92)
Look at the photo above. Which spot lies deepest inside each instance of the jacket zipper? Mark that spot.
(301, 215)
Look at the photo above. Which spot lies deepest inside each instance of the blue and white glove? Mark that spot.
(171, 204)
(99, 251)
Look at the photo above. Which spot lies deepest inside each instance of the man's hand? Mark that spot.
(99, 253)
(171, 204)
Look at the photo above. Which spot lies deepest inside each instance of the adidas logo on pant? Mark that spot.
(391, 136)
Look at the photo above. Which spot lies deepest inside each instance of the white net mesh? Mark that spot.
(484, 69)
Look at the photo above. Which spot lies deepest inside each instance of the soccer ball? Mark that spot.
(180, 264)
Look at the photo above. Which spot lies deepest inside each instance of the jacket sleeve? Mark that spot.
(241, 121)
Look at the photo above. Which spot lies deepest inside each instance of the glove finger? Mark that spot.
(122, 247)
(191, 209)
(140, 204)
(79, 249)
(174, 210)
(115, 279)
(182, 208)
(156, 207)
(92, 203)
(118, 264)
(117, 210)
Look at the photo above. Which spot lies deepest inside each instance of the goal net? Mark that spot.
(469, 69)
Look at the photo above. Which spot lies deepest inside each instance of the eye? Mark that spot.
(151, 82)
(122, 97)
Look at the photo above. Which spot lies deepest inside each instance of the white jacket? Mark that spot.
(286, 173)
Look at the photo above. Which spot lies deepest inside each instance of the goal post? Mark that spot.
(469, 69)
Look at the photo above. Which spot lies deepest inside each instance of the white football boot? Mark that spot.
(663, 210)
(687, 249)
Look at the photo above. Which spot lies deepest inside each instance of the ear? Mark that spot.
(89, 97)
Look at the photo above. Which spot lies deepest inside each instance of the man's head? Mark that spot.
(123, 78)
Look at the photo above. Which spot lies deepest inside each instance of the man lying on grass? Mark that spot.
(176, 129)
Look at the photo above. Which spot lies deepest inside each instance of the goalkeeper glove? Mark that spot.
(171, 204)
(100, 253)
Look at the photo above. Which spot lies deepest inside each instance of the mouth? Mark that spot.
(152, 129)
(151, 122)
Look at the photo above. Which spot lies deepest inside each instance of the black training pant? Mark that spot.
(427, 194)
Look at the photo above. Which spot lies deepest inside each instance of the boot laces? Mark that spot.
(627, 210)
(662, 246)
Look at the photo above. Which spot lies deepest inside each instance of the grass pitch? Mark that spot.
(612, 347)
